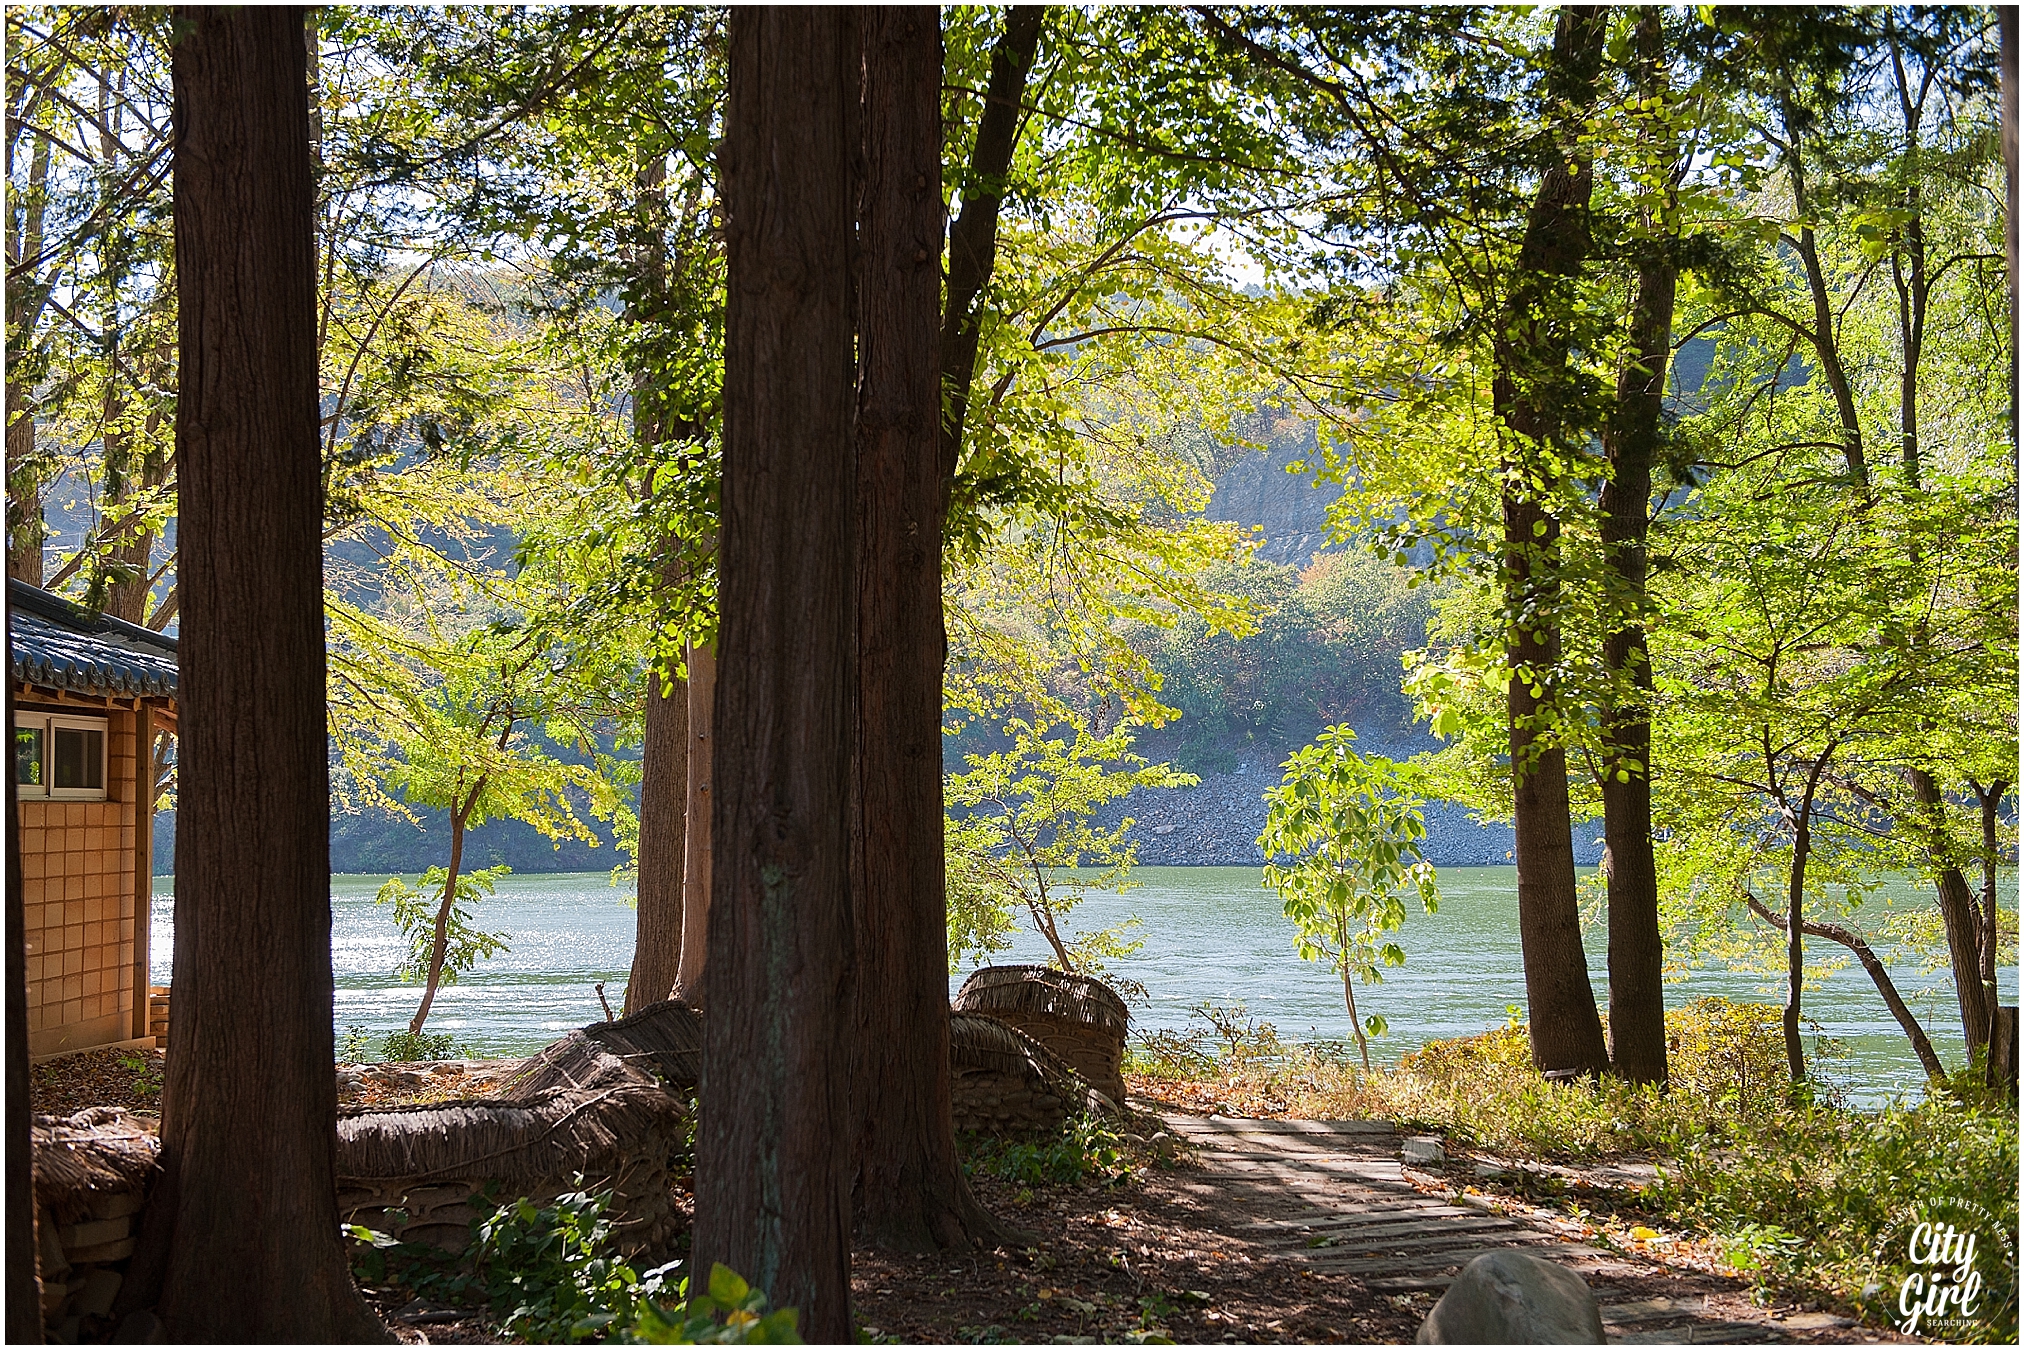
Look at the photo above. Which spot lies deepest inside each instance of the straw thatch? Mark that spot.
(92, 1163)
(1080, 1019)
(665, 1038)
(1005, 1082)
(574, 1109)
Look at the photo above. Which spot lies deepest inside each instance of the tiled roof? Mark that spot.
(53, 643)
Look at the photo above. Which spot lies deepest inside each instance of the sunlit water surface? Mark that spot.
(1211, 934)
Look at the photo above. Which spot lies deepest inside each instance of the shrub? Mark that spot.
(1732, 1054)
(1803, 1195)
(1176, 1056)
(547, 1274)
(1087, 1149)
(406, 1046)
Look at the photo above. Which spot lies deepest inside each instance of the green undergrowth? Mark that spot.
(1089, 1150)
(1798, 1190)
(547, 1274)
(402, 1046)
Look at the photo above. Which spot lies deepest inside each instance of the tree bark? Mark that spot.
(440, 946)
(1637, 1006)
(2006, 20)
(24, 1282)
(702, 663)
(25, 529)
(1834, 932)
(772, 1177)
(908, 1191)
(241, 1240)
(1531, 391)
(664, 751)
(1958, 913)
(25, 300)
(664, 773)
(1990, 800)
(1794, 927)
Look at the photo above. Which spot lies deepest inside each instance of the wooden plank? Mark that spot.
(1648, 1309)
(1381, 1236)
(1376, 1213)
(1239, 1123)
(1350, 1264)
(1422, 1239)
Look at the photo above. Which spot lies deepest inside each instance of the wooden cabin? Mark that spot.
(92, 698)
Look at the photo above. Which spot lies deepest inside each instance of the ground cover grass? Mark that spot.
(1797, 1190)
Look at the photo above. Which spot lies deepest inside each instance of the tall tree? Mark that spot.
(1637, 1010)
(908, 1191)
(664, 743)
(241, 1240)
(664, 774)
(700, 799)
(772, 1197)
(1537, 396)
(24, 1286)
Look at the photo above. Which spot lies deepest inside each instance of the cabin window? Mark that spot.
(59, 757)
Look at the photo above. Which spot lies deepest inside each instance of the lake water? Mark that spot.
(1211, 933)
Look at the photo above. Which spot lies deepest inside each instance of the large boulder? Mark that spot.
(1511, 1298)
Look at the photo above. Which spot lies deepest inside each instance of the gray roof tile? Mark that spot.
(53, 643)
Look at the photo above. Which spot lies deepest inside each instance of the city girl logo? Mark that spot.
(1946, 1272)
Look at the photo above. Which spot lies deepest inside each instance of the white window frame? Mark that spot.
(50, 723)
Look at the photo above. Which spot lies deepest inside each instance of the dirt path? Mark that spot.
(1336, 1196)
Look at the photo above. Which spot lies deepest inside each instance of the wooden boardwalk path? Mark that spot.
(1335, 1195)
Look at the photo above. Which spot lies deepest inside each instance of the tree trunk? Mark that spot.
(24, 1283)
(1878, 974)
(973, 239)
(1795, 953)
(1637, 1005)
(1795, 926)
(664, 752)
(1531, 390)
(132, 553)
(1990, 799)
(26, 297)
(1958, 913)
(664, 774)
(773, 1195)
(2006, 20)
(908, 1191)
(439, 948)
(1349, 996)
(241, 1240)
(702, 663)
(25, 530)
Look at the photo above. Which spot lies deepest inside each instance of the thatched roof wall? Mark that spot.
(665, 1037)
(1046, 992)
(979, 1041)
(83, 1160)
(573, 1107)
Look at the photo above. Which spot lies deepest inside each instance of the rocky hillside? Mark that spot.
(1217, 825)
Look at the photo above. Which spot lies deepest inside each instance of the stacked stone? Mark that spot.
(1005, 1082)
(92, 1171)
(583, 1115)
(1081, 1020)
